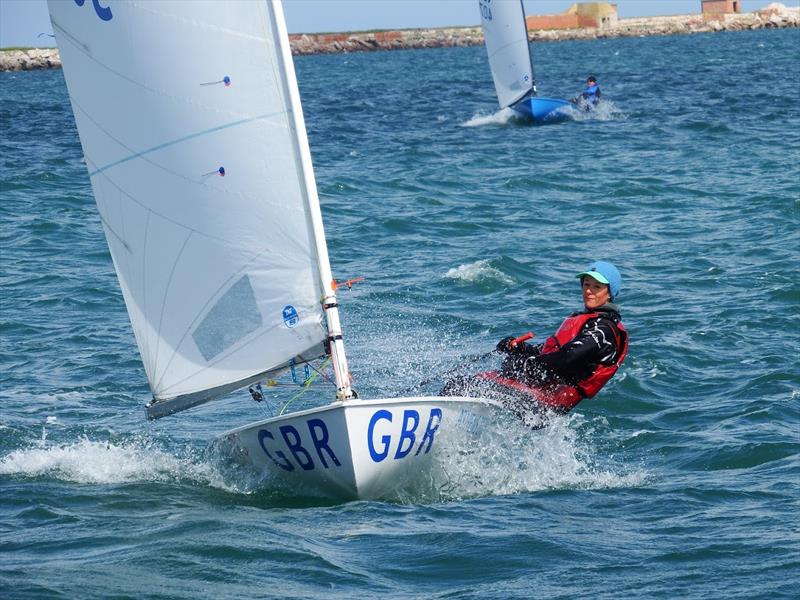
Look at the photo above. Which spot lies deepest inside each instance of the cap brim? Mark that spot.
(594, 275)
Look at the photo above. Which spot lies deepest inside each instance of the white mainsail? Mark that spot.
(506, 38)
(192, 131)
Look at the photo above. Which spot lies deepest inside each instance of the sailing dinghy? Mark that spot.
(190, 121)
(506, 37)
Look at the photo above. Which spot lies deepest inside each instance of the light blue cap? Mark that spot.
(604, 272)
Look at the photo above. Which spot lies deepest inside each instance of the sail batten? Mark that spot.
(195, 146)
(506, 39)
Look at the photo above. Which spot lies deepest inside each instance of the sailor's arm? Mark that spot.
(595, 344)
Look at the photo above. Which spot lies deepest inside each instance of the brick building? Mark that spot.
(579, 15)
(720, 7)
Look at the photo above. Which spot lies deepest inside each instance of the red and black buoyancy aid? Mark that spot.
(563, 397)
(569, 330)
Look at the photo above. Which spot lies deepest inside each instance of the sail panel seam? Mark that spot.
(186, 138)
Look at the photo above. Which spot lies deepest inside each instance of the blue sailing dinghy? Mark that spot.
(506, 38)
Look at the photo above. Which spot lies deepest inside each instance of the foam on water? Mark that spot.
(508, 457)
(505, 457)
(88, 461)
(502, 117)
(479, 271)
(605, 110)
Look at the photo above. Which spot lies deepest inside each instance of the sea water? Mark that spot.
(680, 479)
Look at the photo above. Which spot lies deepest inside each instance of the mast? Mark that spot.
(525, 25)
(341, 369)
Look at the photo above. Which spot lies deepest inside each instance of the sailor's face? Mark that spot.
(595, 294)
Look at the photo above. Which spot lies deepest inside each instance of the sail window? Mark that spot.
(234, 316)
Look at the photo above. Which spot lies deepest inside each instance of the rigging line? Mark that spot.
(322, 373)
(186, 138)
(86, 114)
(146, 332)
(87, 51)
(202, 313)
(225, 355)
(306, 387)
(163, 309)
(134, 154)
(307, 361)
(272, 384)
(150, 210)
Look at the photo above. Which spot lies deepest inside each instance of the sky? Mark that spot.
(26, 22)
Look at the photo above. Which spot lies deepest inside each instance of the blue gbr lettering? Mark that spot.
(407, 433)
(283, 463)
(103, 12)
(291, 453)
(433, 424)
(379, 448)
(378, 455)
(295, 445)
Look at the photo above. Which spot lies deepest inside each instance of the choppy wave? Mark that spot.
(480, 271)
(467, 230)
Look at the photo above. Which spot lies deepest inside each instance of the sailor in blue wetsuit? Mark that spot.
(590, 96)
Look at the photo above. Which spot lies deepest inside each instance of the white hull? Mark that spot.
(363, 449)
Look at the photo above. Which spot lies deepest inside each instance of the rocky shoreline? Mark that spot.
(774, 16)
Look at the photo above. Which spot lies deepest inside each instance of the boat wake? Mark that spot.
(605, 110)
(133, 460)
(505, 457)
(504, 116)
(89, 461)
(510, 458)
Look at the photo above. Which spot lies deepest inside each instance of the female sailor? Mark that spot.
(572, 364)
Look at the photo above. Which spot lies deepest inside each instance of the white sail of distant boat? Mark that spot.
(506, 37)
(190, 120)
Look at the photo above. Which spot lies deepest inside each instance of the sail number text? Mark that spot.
(486, 9)
(103, 12)
(309, 448)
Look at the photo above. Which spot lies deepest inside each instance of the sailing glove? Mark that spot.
(505, 345)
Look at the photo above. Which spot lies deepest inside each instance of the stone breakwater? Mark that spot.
(30, 59)
(774, 16)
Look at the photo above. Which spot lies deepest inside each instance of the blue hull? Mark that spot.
(540, 110)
